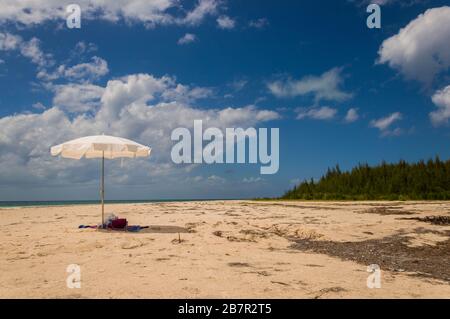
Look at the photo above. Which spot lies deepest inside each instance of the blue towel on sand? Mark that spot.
(134, 228)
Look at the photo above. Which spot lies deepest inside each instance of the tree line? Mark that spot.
(428, 180)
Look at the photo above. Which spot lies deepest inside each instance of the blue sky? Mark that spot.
(338, 91)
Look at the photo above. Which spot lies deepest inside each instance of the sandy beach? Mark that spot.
(229, 249)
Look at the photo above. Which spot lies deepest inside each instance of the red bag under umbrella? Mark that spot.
(119, 223)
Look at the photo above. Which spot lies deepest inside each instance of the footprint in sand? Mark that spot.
(280, 283)
(131, 244)
(261, 273)
(238, 264)
(237, 239)
(324, 291)
(176, 241)
(217, 233)
(313, 265)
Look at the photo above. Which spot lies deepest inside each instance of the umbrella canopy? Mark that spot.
(101, 146)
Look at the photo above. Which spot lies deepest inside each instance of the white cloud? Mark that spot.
(9, 41)
(38, 106)
(225, 22)
(83, 47)
(316, 113)
(149, 12)
(187, 38)
(238, 85)
(352, 115)
(384, 124)
(442, 100)
(77, 98)
(323, 87)
(250, 180)
(402, 3)
(94, 70)
(259, 23)
(136, 88)
(30, 49)
(379, 2)
(240, 117)
(197, 179)
(186, 94)
(421, 50)
(216, 179)
(132, 106)
(203, 9)
(83, 72)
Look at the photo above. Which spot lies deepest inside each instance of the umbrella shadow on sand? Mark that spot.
(162, 229)
(155, 229)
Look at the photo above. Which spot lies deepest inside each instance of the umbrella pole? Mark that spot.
(103, 188)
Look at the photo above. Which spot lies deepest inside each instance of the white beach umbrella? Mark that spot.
(101, 146)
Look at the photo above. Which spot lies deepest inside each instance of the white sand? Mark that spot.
(214, 259)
